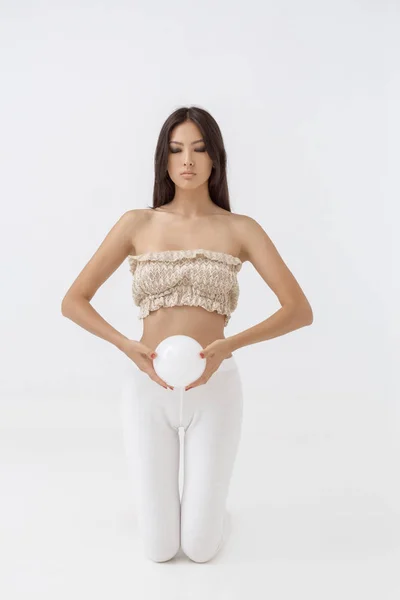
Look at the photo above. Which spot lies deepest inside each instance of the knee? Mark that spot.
(157, 554)
(160, 541)
(200, 550)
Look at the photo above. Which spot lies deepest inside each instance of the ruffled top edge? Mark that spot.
(172, 255)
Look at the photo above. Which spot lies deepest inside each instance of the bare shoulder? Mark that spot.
(237, 218)
(135, 215)
(261, 252)
(112, 251)
(254, 239)
(135, 219)
(245, 227)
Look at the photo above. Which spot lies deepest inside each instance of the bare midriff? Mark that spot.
(159, 232)
(193, 321)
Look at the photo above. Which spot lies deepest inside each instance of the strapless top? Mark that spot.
(196, 277)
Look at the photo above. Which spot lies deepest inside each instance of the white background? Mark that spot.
(304, 94)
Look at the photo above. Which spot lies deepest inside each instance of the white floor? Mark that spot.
(309, 516)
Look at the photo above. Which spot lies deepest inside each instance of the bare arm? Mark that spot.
(108, 257)
(295, 311)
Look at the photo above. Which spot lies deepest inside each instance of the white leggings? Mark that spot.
(211, 416)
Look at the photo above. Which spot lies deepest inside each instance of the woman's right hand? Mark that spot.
(143, 356)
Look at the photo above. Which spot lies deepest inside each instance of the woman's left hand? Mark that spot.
(214, 354)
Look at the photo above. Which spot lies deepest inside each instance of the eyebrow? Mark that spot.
(180, 143)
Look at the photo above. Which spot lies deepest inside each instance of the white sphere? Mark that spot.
(178, 361)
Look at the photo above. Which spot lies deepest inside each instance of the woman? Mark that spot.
(184, 254)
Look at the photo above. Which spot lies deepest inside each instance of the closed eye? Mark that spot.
(196, 150)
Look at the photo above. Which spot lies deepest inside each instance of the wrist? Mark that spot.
(230, 345)
(121, 343)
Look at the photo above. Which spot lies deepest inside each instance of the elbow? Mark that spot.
(304, 314)
(64, 307)
(67, 303)
(308, 315)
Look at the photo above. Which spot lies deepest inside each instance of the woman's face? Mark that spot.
(187, 152)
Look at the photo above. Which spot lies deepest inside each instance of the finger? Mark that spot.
(158, 380)
(153, 375)
(201, 381)
(195, 384)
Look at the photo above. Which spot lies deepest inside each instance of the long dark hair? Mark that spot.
(164, 187)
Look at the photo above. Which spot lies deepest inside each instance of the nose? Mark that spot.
(188, 161)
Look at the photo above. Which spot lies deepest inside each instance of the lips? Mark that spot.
(187, 173)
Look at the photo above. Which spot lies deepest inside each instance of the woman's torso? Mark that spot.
(160, 229)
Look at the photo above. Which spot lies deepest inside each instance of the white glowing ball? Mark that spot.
(178, 361)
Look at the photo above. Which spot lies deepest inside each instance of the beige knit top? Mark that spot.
(185, 277)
